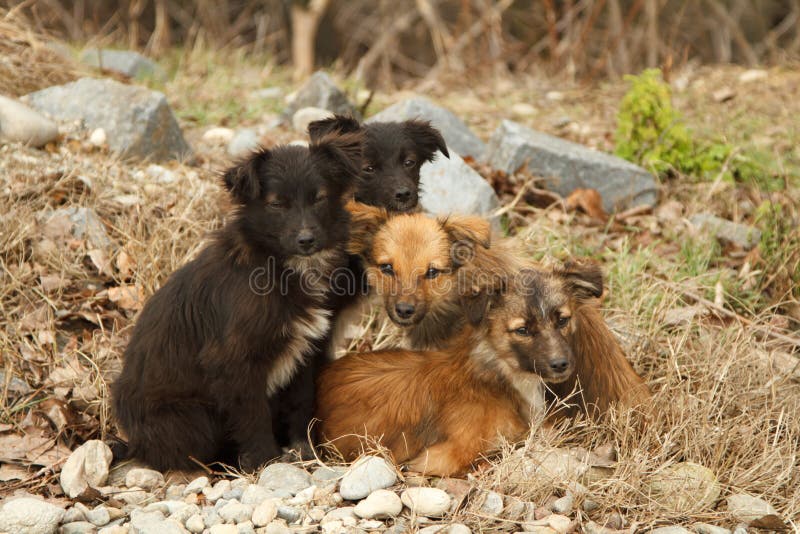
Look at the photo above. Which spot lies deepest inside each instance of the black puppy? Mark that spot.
(215, 345)
(393, 155)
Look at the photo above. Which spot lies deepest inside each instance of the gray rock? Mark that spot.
(255, 495)
(750, 510)
(86, 467)
(211, 517)
(430, 502)
(457, 135)
(146, 479)
(284, 476)
(125, 62)
(685, 487)
(183, 514)
(73, 515)
(567, 166)
(365, 476)
(346, 515)
(380, 504)
(233, 493)
(741, 235)
(21, 124)
(153, 523)
(236, 512)
(195, 524)
(245, 527)
(243, 143)
(492, 504)
(320, 92)
(564, 504)
(305, 116)
(705, 528)
(452, 186)
(29, 515)
(323, 475)
(78, 527)
(138, 122)
(290, 514)
(134, 497)
(672, 529)
(264, 513)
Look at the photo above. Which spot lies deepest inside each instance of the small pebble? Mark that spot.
(264, 513)
(365, 476)
(277, 527)
(254, 494)
(236, 512)
(78, 527)
(196, 485)
(429, 502)
(223, 529)
(288, 513)
(175, 492)
(114, 529)
(564, 504)
(245, 527)
(492, 504)
(705, 528)
(214, 493)
(99, 516)
(380, 504)
(147, 479)
(195, 524)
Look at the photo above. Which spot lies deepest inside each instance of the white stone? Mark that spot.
(705, 528)
(365, 476)
(563, 505)
(452, 186)
(380, 504)
(672, 529)
(305, 116)
(302, 497)
(264, 513)
(218, 135)
(99, 516)
(21, 124)
(98, 137)
(430, 502)
(277, 527)
(87, 466)
(243, 143)
(195, 524)
(255, 495)
(114, 529)
(236, 512)
(492, 504)
(223, 529)
(146, 479)
(285, 477)
(346, 515)
(753, 75)
(214, 493)
(196, 485)
(747, 508)
(29, 515)
(458, 528)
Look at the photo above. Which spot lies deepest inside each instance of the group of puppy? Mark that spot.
(233, 358)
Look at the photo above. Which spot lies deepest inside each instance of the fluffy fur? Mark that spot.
(394, 153)
(215, 350)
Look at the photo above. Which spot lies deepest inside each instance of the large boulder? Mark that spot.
(457, 135)
(452, 186)
(320, 92)
(21, 124)
(138, 122)
(569, 166)
(125, 62)
(30, 515)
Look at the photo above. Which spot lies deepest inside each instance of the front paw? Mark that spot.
(298, 450)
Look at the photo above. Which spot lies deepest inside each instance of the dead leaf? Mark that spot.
(52, 282)
(589, 201)
(769, 522)
(100, 261)
(57, 227)
(125, 264)
(127, 297)
(9, 472)
(35, 447)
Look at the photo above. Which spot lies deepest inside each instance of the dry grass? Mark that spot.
(725, 397)
(29, 61)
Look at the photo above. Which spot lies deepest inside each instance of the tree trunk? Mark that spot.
(305, 21)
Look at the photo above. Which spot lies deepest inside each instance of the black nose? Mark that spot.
(404, 310)
(402, 195)
(305, 239)
(559, 366)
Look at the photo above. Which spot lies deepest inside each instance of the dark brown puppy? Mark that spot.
(394, 153)
(230, 329)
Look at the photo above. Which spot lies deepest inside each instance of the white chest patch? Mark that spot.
(302, 332)
(531, 389)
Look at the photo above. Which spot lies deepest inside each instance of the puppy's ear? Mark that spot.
(243, 181)
(427, 138)
(465, 232)
(365, 221)
(475, 306)
(584, 278)
(336, 124)
(340, 157)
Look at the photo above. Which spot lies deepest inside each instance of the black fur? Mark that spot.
(206, 345)
(393, 155)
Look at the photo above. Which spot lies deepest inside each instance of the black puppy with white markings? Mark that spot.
(222, 357)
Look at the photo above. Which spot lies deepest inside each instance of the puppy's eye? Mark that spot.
(562, 321)
(432, 272)
(276, 204)
(321, 197)
(368, 169)
(522, 331)
(409, 163)
(386, 268)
